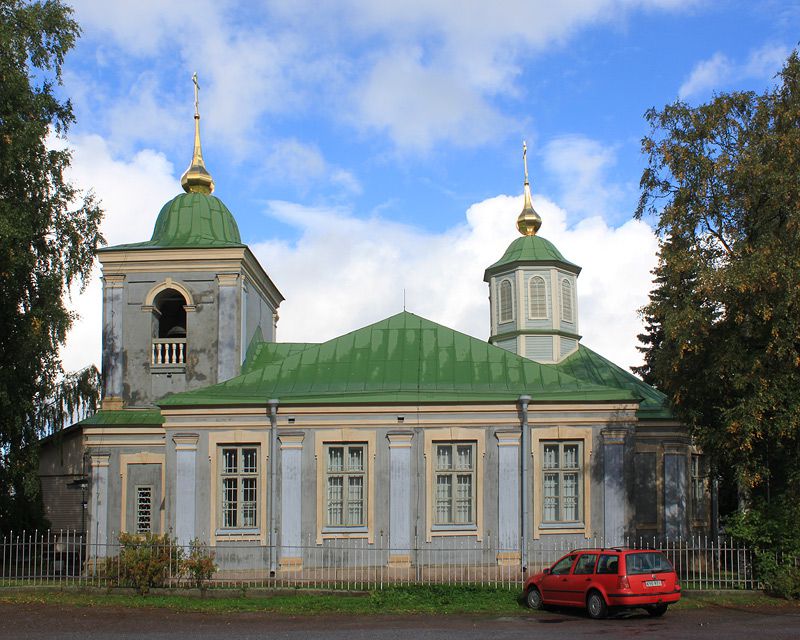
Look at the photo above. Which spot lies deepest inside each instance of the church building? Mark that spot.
(402, 434)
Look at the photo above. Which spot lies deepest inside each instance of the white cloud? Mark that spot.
(131, 193)
(421, 71)
(346, 272)
(720, 72)
(418, 106)
(580, 166)
(303, 164)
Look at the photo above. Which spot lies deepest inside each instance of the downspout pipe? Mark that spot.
(525, 448)
(272, 411)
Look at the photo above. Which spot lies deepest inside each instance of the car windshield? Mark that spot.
(646, 562)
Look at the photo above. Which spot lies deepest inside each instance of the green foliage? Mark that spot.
(148, 560)
(48, 234)
(770, 529)
(723, 323)
(780, 576)
(199, 564)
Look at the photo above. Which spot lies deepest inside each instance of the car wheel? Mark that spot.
(534, 599)
(596, 605)
(657, 610)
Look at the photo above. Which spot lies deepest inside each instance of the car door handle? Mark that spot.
(588, 579)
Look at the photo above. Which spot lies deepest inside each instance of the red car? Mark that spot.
(602, 579)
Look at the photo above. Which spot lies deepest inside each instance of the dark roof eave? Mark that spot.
(502, 266)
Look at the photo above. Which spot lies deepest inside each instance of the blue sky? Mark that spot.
(367, 147)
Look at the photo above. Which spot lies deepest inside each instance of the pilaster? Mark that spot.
(228, 329)
(400, 443)
(508, 497)
(113, 310)
(98, 506)
(291, 554)
(614, 472)
(185, 477)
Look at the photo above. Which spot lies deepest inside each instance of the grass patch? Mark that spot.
(433, 599)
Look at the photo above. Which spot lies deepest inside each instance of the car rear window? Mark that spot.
(608, 564)
(646, 562)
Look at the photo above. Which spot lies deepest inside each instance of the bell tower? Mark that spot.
(181, 309)
(533, 292)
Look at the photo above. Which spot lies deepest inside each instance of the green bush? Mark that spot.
(148, 560)
(780, 579)
(199, 565)
(770, 529)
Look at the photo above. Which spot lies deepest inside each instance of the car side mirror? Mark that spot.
(546, 571)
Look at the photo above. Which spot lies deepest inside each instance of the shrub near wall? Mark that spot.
(199, 565)
(148, 560)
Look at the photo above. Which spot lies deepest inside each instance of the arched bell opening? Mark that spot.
(169, 328)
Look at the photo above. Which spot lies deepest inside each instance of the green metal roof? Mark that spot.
(587, 365)
(191, 220)
(402, 359)
(266, 353)
(531, 249)
(125, 416)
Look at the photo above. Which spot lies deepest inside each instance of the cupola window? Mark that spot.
(537, 298)
(567, 302)
(169, 329)
(505, 302)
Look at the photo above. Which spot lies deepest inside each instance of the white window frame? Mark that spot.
(455, 474)
(501, 319)
(237, 484)
(560, 473)
(346, 474)
(567, 301)
(531, 314)
(143, 509)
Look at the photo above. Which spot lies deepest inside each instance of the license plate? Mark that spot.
(653, 583)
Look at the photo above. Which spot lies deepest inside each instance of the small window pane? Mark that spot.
(551, 456)
(335, 500)
(551, 501)
(570, 456)
(336, 459)
(356, 459)
(229, 459)
(570, 496)
(249, 461)
(229, 502)
(355, 501)
(464, 457)
(444, 457)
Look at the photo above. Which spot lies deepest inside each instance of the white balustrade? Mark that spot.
(168, 351)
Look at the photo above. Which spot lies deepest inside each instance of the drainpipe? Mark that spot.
(525, 499)
(273, 484)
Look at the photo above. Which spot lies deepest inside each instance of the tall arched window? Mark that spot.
(169, 328)
(567, 303)
(505, 302)
(537, 298)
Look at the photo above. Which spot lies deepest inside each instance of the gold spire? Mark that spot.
(197, 179)
(528, 221)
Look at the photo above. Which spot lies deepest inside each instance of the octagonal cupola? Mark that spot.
(533, 292)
